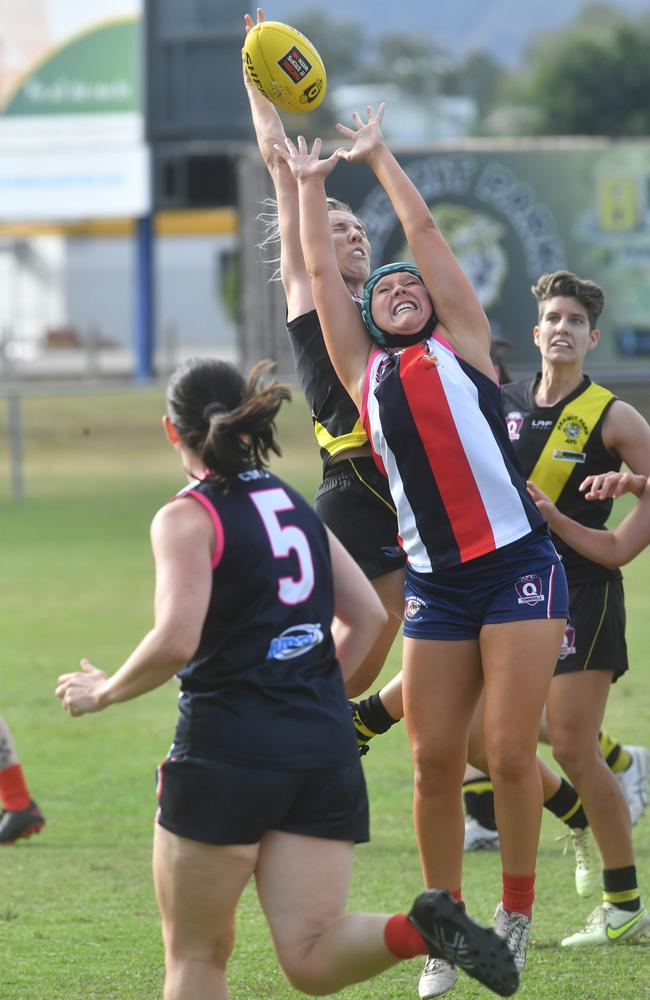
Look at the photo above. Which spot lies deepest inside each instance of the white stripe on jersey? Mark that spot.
(501, 501)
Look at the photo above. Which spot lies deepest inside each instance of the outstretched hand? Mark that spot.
(366, 138)
(305, 164)
(80, 691)
(609, 485)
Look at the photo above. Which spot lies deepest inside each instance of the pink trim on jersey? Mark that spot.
(216, 521)
(445, 343)
(444, 448)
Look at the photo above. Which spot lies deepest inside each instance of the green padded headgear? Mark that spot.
(382, 337)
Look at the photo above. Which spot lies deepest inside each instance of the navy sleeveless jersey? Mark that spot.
(264, 687)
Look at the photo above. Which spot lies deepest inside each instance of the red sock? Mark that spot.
(403, 940)
(13, 789)
(518, 893)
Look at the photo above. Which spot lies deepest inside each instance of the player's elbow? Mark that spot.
(179, 646)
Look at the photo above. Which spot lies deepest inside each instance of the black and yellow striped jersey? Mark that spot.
(557, 447)
(334, 415)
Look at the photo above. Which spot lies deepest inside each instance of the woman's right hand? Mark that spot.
(304, 164)
(267, 123)
(609, 485)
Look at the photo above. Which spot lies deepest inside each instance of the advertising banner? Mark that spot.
(70, 71)
(71, 111)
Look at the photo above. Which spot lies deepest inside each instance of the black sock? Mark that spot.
(620, 888)
(374, 716)
(566, 805)
(478, 796)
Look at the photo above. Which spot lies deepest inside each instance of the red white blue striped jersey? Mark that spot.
(437, 430)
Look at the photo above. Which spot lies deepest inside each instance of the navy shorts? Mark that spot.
(527, 582)
(217, 802)
(594, 638)
(355, 503)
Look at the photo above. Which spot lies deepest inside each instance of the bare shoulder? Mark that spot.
(623, 420)
(626, 432)
(183, 518)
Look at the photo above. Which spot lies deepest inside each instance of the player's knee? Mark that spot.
(573, 757)
(214, 949)
(305, 977)
(509, 762)
(434, 776)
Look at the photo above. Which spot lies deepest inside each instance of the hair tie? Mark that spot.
(213, 409)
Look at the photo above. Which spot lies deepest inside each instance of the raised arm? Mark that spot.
(611, 548)
(347, 340)
(269, 132)
(456, 304)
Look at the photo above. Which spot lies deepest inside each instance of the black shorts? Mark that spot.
(595, 634)
(216, 802)
(355, 503)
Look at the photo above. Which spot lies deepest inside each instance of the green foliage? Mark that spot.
(78, 919)
(596, 89)
(593, 79)
(479, 76)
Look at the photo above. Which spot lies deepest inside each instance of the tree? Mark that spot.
(414, 64)
(478, 76)
(593, 81)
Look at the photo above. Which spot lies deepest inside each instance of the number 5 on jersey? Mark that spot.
(285, 539)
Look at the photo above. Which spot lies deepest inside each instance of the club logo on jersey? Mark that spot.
(529, 590)
(295, 64)
(429, 356)
(568, 643)
(572, 427)
(382, 368)
(412, 608)
(514, 423)
(294, 641)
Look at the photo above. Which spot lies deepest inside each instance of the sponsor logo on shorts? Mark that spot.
(295, 64)
(412, 608)
(392, 551)
(514, 423)
(529, 590)
(568, 643)
(294, 641)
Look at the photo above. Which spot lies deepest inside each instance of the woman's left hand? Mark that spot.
(80, 692)
(367, 137)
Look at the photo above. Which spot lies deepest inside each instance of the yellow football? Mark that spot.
(285, 66)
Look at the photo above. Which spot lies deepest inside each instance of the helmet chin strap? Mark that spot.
(408, 339)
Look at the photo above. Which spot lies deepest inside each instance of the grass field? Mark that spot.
(78, 919)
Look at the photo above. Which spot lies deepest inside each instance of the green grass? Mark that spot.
(78, 919)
